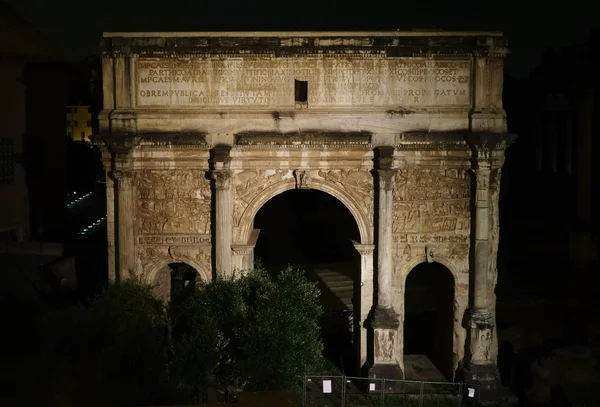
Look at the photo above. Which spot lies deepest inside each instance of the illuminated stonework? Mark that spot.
(396, 125)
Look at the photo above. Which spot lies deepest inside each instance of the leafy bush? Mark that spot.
(128, 348)
(113, 352)
(280, 337)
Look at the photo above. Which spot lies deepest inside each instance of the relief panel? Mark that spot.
(431, 206)
(172, 217)
(172, 202)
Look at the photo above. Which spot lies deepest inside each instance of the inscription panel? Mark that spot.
(262, 82)
(174, 240)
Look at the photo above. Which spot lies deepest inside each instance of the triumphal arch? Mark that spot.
(406, 129)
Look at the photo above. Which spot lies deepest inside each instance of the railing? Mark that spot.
(346, 391)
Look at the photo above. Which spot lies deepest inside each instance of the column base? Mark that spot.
(491, 391)
(384, 322)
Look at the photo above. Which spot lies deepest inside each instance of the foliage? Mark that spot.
(115, 349)
(127, 348)
(280, 340)
(263, 331)
(203, 336)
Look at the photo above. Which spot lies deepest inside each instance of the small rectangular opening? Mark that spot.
(301, 91)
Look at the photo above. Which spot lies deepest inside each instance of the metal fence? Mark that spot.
(346, 391)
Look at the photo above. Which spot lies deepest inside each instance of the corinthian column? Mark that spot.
(480, 366)
(126, 244)
(223, 221)
(384, 319)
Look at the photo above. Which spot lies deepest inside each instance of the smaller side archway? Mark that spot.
(170, 276)
(429, 292)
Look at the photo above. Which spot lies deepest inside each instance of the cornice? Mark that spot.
(424, 44)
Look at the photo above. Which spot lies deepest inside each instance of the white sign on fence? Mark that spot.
(326, 386)
(372, 386)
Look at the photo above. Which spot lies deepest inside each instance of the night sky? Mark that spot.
(78, 25)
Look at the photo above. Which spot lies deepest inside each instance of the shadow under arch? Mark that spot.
(429, 302)
(243, 231)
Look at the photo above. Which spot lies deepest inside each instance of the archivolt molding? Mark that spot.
(362, 215)
(151, 270)
(444, 261)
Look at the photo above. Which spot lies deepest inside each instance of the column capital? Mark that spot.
(386, 179)
(364, 249)
(483, 143)
(482, 177)
(124, 178)
(222, 179)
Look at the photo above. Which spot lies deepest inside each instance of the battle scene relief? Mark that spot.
(172, 202)
(431, 210)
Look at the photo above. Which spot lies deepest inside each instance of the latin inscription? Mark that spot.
(215, 83)
(178, 240)
(416, 238)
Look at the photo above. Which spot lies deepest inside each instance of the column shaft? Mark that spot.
(223, 221)
(384, 243)
(125, 202)
(482, 175)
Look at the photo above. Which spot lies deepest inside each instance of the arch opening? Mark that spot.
(314, 232)
(174, 280)
(429, 323)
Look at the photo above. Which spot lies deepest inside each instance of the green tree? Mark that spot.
(204, 323)
(280, 339)
(254, 331)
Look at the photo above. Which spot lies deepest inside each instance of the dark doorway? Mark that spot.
(313, 231)
(183, 279)
(429, 316)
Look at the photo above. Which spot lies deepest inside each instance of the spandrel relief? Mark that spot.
(248, 184)
(357, 183)
(173, 202)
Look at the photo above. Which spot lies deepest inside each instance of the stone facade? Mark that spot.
(406, 129)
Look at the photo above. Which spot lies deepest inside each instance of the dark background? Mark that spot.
(529, 26)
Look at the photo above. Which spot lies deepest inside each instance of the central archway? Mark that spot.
(314, 232)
